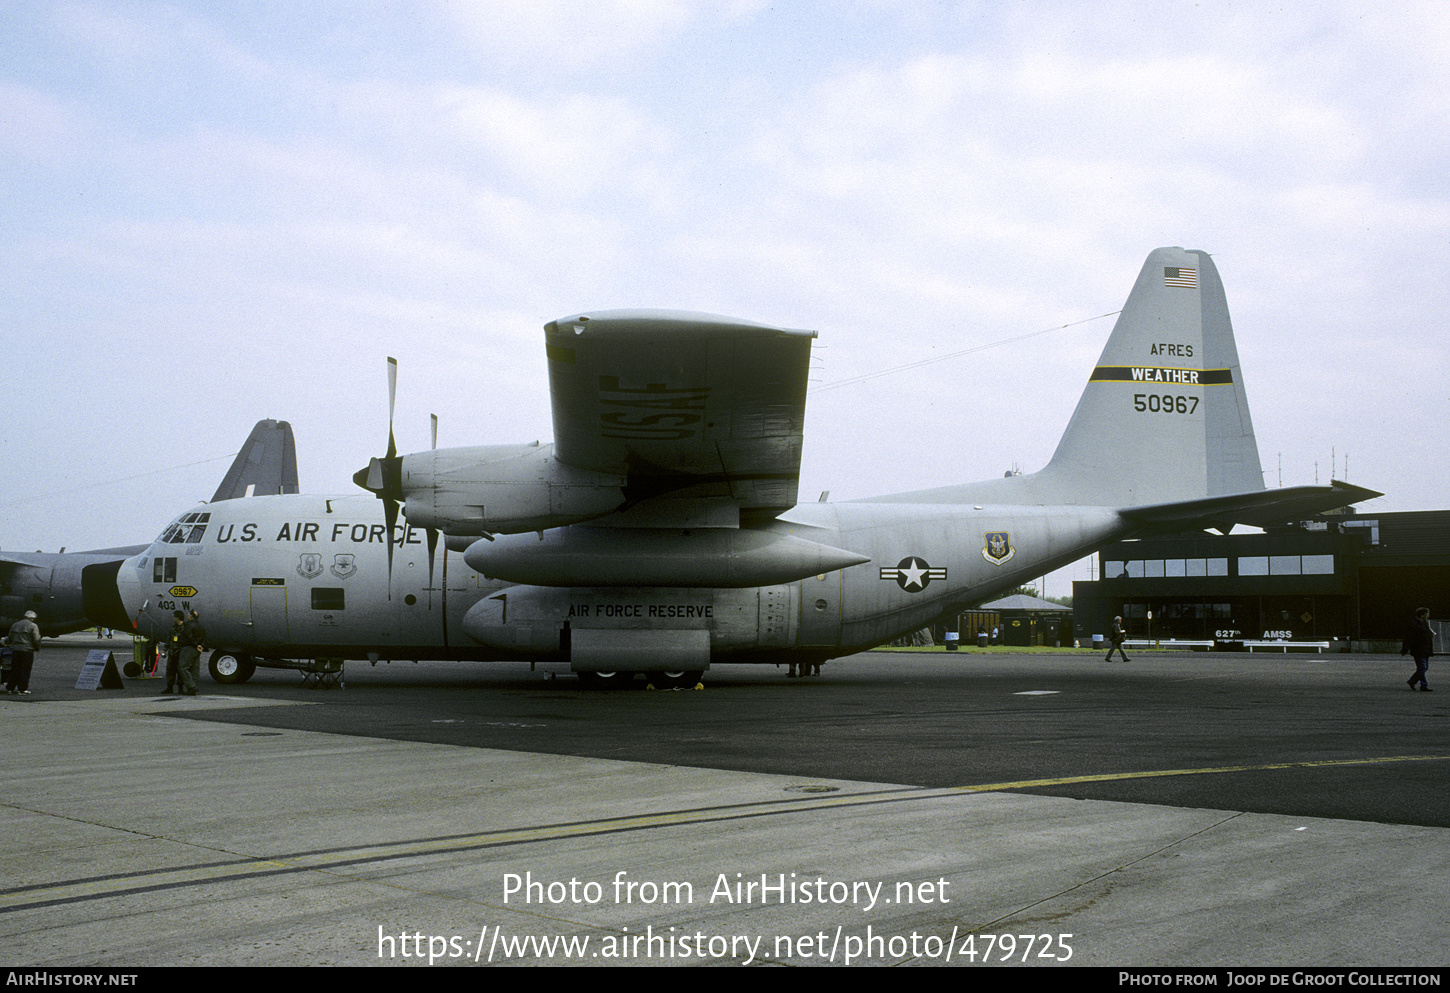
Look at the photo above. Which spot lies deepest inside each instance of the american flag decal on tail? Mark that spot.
(1177, 276)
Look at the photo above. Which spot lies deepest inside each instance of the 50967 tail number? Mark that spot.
(1164, 403)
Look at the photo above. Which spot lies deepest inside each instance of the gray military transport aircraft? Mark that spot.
(54, 584)
(660, 532)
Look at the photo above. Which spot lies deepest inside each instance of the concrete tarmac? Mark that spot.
(236, 828)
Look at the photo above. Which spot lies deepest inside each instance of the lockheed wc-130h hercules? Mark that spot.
(660, 533)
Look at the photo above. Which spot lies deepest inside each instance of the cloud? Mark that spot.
(573, 37)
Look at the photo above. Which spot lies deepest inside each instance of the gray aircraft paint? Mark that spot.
(1161, 440)
(65, 588)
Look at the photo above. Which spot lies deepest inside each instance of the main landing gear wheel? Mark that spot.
(606, 680)
(230, 667)
(676, 680)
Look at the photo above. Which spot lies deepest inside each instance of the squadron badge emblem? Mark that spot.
(344, 566)
(998, 547)
(309, 565)
(913, 574)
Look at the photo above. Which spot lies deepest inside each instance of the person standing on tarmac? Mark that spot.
(1419, 645)
(173, 652)
(193, 643)
(24, 643)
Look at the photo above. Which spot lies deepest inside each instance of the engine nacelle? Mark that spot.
(616, 556)
(502, 489)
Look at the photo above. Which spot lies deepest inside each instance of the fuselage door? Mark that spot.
(269, 612)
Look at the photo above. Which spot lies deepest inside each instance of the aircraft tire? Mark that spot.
(606, 680)
(230, 667)
(676, 680)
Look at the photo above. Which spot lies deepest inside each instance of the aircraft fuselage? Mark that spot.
(307, 576)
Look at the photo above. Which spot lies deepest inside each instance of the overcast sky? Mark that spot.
(212, 213)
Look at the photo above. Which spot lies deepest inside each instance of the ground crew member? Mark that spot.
(173, 652)
(193, 643)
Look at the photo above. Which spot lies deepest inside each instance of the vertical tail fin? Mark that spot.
(1163, 424)
(266, 465)
(1164, 417)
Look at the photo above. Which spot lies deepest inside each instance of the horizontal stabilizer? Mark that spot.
(1257, 509)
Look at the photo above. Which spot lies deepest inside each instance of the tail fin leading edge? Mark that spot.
(1164, 417)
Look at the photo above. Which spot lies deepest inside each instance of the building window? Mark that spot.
(1373, 526)
(1283, 565)
(1319, 565)
(1218, 567)
(1253, 565)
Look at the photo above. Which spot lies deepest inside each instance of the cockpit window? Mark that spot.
(189, 530)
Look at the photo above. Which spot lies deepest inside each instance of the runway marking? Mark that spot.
(1265, 767)
(335, 859)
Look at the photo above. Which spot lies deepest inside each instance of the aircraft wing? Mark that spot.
(1257, 509)
(46, 560)
(685, 404)
(39, 559)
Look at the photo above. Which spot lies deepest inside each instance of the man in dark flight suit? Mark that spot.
(193, 642)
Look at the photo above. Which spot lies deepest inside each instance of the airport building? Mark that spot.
(1353, 580)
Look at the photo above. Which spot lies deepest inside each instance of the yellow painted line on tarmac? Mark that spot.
(1208, 770)
(335, 860)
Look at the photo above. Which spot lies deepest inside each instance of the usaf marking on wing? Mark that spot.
(661, 532)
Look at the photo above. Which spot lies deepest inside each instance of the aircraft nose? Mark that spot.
(101, 596)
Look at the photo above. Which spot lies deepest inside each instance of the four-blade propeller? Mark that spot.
(384, 477)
